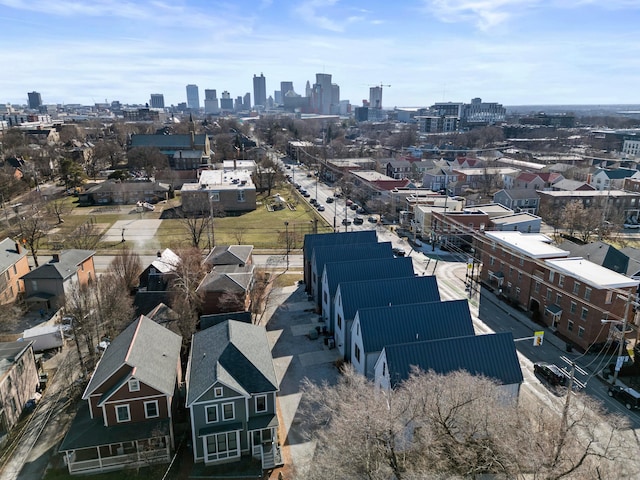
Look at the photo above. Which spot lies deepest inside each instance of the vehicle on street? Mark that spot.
(313, 201)
(320, 207)
(329, 199)
(627, 396)
(309, 175)
(398, 252)
(346, 221)
(348, 202)
(372, 219)
(358, 221)
(354, 207)
(306, 194)
(551, 373)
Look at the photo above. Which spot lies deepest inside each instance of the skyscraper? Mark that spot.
(157, 100)
(375, 97)
(211, 102)
(323, 81)
(35, 100)
(226, 102)
(193, 97)
(259, 90)
(247, 101)
(285, 87)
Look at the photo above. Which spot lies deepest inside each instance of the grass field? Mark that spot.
(261, 228)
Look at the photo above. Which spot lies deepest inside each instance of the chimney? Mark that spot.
(18, 248)
(55, 258)
(158, 254)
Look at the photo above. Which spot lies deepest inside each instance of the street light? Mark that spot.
(286, 226)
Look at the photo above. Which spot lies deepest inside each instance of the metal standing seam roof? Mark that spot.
(382, 326)
(356, 251)
(387, 291)
(64, 267)
(234, 353)
(338, 272)
(9, 255)
(493, 356)
(151, 349)
(340, 238)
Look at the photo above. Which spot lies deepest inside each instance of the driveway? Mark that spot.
(295, 357)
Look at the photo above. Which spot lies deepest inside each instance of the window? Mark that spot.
(558, 299)
(537, 287)
(151, 409)
(510, 271)
(122, 413)
(214, 196)
(584, 314)
(548, 294)
(522, 262)
(574, 307)
(587, 293)
(212, 413)
(228, 411)
(576, 288)
(384, 368)
(324, 295)
(570, 326)
(519, 276)
(218, 392)
(339, 322)
(134, 385)
(609, 297)
(492, 261)
(561, 281)
(551, 275)
(580, 331)
(357, 353)
(241, 196)
(222, 445)
(517, 292)
(15, 270)
(261, 403)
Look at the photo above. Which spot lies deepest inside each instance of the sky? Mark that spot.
(515, 52)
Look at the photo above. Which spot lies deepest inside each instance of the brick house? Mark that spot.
(13, 265)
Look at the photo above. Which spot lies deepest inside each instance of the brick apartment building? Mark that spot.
(571, 295)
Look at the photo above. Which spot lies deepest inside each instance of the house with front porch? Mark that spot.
(231, 395)
(127, 420)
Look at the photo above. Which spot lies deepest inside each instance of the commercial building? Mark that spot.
(35, 100)
(259, 91)
(157, 100)
(193, 97)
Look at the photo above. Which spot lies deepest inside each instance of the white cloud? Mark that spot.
(485, 14)
(315, 12)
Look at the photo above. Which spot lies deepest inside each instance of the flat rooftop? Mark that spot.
(534, 245)
(591, 273)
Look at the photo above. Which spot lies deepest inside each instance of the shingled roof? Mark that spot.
(63, 266)
(233, 353)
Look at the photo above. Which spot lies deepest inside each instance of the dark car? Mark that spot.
(320, 207)
(306, 194)
(628, 396)
(346, 221)
(358, 221)
(313, 201)
(399, 252)
(354, 206)
(551, 373)
(329, 199)
(361, 210)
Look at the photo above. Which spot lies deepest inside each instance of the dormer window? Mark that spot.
(134, 385)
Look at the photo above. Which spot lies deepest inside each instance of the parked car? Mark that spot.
(329, 199)
(551, 373)
(348, 202)
(360, 210)
(354, 207)
(320, 207)
(372, 219)
(306, 194)
(346, 221)
(309, 175)
(358, 221)
(628, 396)
(399, 252)
(313, 201)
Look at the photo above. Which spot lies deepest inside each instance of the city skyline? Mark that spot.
(510, 51)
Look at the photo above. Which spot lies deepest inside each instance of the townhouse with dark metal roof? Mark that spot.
(374, 328)
(380, 292)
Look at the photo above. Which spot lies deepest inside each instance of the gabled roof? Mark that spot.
(357, 251)
(518, 193)
(10, 253)
(166, 262)
(208, 321)
(571, 185)
(233, 353)
(493, 356)
(151, 351)
(341, 238)
(599, 253)
(387, 291)
(10, 353)
(227, 278)
(229, 255)
(64, 267)
(338, 272)
(414, 322)
(618, 173)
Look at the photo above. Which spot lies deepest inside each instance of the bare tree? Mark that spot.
(148, 159)
(126, 269)
(455, 426)
(196, 227)
(572, 216)
(86, 236)
(58, 208)
(79, 305)
(32, 227)
(186, 301)
(114, 316)
(258, 293)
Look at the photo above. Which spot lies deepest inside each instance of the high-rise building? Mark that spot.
(285, 87)
(375, 97)
(35, 100)
(335, 98)
(247, 101)
(193, 97)
(259, 90)
(157, 100)
(324, 92)
(211, 102)
(277, 97)
(226, 102)
(307, 89)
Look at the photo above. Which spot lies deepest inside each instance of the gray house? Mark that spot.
(338, 239)
(493, 356)
(518, 199)
(231, 395)
(338, 272)
(374, 328)
(330, 253)
(350, 296)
